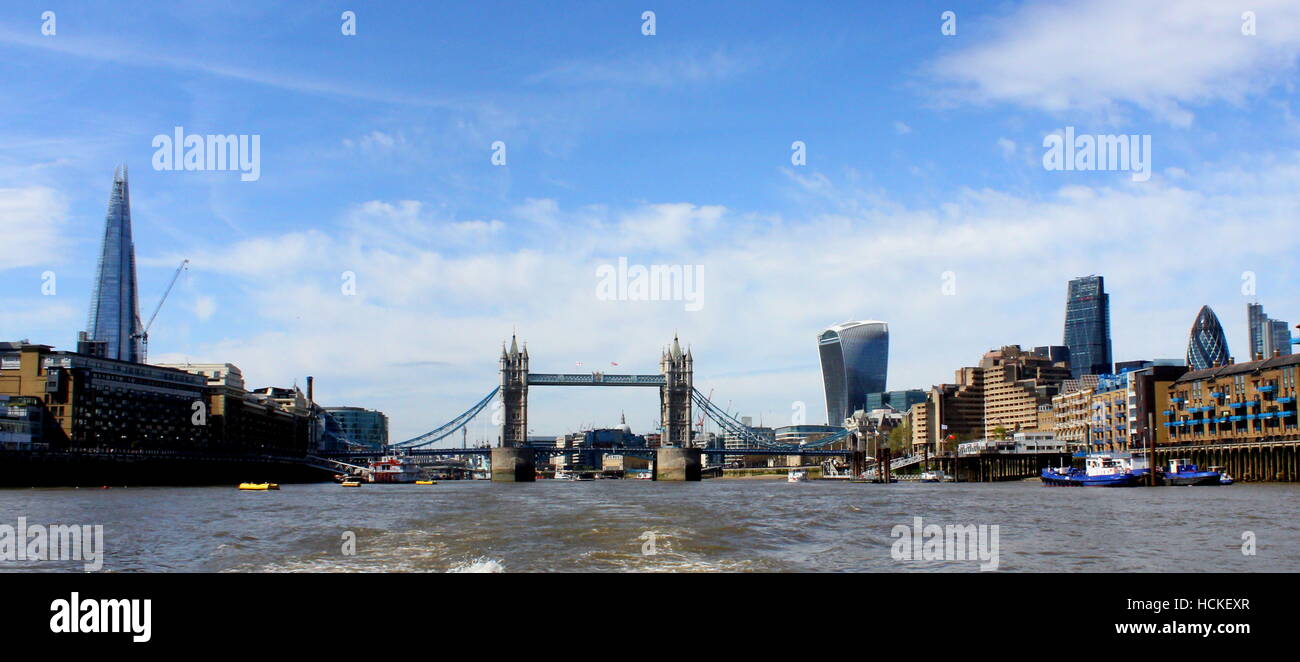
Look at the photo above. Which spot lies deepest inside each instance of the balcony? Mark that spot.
(1267, 389)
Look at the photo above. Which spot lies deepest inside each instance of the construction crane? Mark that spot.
(143, 333)
(700, 423)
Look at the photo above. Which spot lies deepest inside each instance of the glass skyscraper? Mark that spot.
(855, 359)
(114, 305)
(1087, 326)
(1207, 346)
(1266, 334)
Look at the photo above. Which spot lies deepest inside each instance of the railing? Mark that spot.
(593, 379)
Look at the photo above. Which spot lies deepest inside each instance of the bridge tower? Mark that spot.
(514, 395)
(514, 461)
(675, 395)
(676, 458)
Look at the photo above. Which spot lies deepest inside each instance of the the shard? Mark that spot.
(114, 306)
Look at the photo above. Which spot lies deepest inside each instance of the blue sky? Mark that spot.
(924, 156)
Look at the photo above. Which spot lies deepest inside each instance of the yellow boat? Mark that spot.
(426, 482)
(351, 482)
(258, 486)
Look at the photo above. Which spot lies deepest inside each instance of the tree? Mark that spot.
(900, 439)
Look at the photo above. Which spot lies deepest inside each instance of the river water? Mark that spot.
(726, 525)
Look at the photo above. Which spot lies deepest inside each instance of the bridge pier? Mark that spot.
(514, 465)
(678, 464)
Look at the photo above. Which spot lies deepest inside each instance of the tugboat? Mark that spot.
(1183, 472)
(1098, 471)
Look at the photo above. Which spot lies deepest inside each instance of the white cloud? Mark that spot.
(901, 128)
(31, 226)
(204, 307)
(1007, 147)
(420, 338)
(1099, 56)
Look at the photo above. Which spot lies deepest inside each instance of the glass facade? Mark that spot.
(1281, 339)
(362, 426)
(1206, 344)
(855, 360)
(1266, 334)
(899, 400)
(1087, 326)
(114, 305)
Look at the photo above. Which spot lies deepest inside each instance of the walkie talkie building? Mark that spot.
(114, 305)
(855, 360)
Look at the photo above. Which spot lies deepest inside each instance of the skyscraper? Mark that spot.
(1266, 334)
(1087, 326)
(1207, 346)
(114, 305)
(855, 360)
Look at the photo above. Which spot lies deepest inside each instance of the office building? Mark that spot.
(1016, 384)
(855, 361)
(897, 400)
(1087, 326)
(1207, 346)
(113, 330)
(951, 413)
(362, 426)
(1267, 336)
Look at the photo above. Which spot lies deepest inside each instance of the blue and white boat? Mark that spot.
(1098, 471)
(1224, 478)
(1183, 472)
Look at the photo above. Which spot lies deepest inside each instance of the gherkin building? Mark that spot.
(1207, 346)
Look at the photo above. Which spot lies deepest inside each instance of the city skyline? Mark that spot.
(912, 185)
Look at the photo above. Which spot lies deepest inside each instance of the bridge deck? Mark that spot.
(593, 379)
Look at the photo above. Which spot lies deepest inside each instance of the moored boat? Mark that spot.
(1224, 478)
(935, 476)
(1183, 473)
(1098, 471)
(394, 469)
(796, 476)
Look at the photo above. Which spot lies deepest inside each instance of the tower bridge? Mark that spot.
(676, 459)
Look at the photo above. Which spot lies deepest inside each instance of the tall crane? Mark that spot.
(143, 333)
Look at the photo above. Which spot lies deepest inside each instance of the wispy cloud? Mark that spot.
(651, 69)
(1109, 56)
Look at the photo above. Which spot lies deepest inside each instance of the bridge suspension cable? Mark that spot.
(449, 427)
(728, 423)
